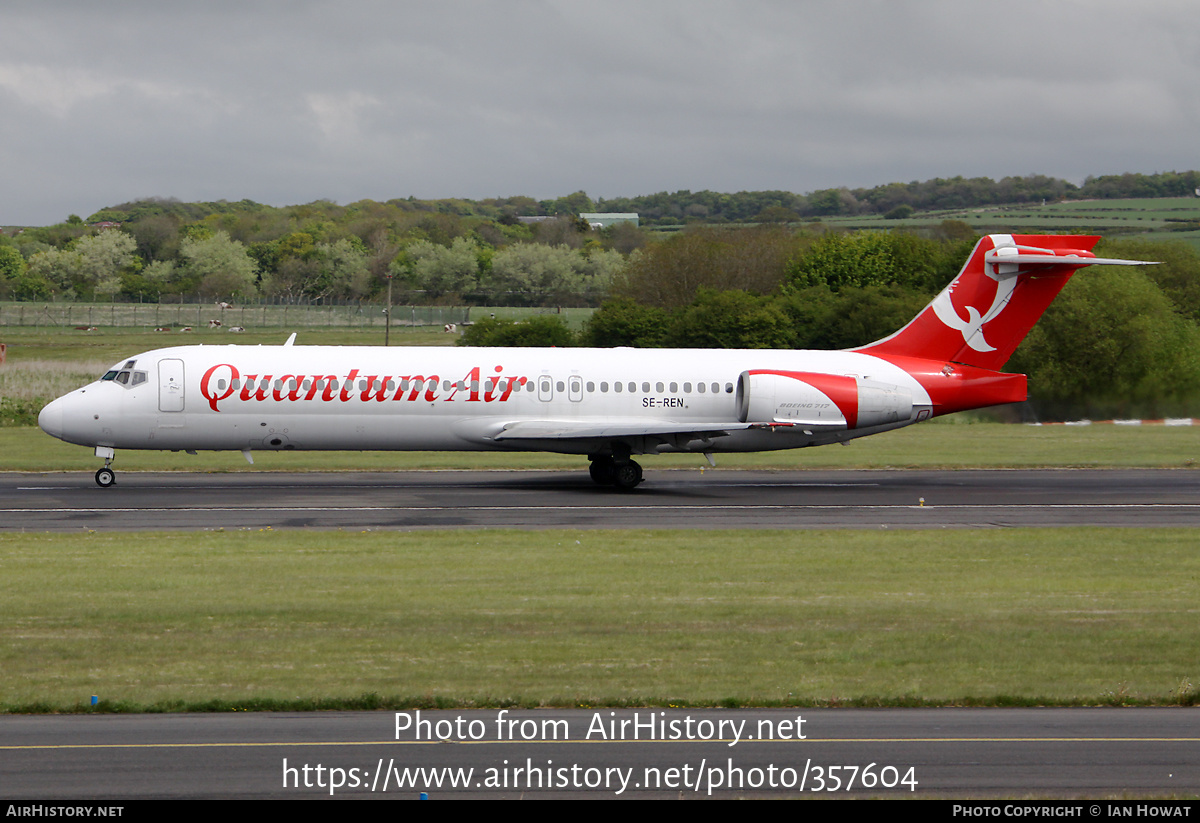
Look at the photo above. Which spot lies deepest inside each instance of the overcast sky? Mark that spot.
(289, 102)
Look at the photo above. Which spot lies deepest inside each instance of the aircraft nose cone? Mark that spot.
(51, 418)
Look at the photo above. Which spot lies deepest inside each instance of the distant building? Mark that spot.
(602, 220)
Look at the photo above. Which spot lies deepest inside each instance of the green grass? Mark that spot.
(1152, 218)
(598, 618)
(108, 345)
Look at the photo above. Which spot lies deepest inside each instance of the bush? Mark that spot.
(542, 330)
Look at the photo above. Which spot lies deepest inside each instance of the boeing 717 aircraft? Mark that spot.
(608, 404)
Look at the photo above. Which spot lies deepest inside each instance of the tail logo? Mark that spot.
(971, 328)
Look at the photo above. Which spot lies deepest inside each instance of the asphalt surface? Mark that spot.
(668, 499)
(1007, 753)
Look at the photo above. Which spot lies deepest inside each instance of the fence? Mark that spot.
(200, 315)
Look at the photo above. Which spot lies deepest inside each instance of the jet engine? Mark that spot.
(823, 401)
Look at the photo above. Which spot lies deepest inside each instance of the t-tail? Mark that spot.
(986, 311)
(970, 330)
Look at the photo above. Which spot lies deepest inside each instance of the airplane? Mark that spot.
(607, 404)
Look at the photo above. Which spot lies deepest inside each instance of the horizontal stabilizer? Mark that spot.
(1039, 257)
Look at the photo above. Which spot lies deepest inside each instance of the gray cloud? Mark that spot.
(288, 102)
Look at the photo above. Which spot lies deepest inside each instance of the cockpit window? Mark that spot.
(126, 377)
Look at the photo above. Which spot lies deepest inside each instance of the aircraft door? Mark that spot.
(575, 388)
(170, 385)
(545, 388)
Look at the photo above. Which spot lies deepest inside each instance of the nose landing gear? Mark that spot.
(105, 477)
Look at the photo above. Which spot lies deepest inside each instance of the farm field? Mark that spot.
(1152, 219)
(219, 620)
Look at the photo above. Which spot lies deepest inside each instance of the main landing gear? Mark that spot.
(624, 473)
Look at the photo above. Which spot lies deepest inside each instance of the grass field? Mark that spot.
(365, 318)
(253, 619)
(1152, 218)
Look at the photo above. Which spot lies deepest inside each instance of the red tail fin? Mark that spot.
(986, 311)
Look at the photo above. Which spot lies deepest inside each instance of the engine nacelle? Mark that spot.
(823, 401)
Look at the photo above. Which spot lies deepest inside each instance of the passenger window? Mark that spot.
(646, 387)
(603, 387)
(658, 387)
(618, 387)
(700, 388)
(687, 388)
(591, 387)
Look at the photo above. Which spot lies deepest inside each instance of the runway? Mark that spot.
(714, 499)
(600, 753)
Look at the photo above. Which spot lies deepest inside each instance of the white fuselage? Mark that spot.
(564, 400)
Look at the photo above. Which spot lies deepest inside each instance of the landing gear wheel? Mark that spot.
(105, 477)
(627, 475)
(603, 471)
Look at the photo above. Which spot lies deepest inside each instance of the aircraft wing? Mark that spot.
(589, 429)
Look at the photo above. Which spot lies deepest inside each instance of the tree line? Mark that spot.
(894, 199)
(428, 252)
(472, 251)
